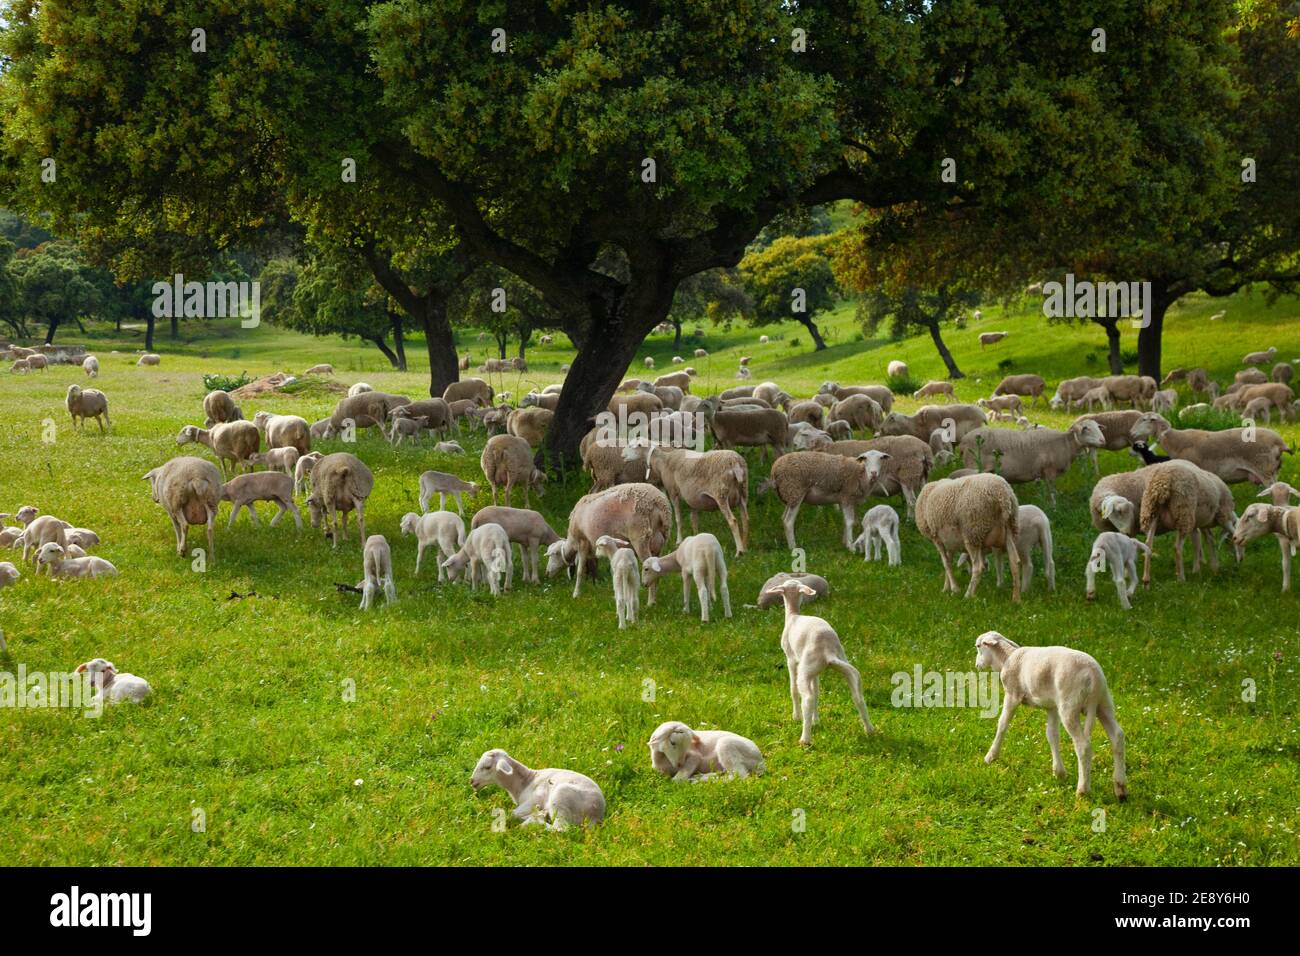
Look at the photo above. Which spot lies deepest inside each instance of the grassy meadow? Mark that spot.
(254, 731)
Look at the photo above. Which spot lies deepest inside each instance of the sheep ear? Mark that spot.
(504, 768)
(81, 669)
(805, 589)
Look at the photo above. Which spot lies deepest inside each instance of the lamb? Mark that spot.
(87, 403)
(1039, 455)
(820, 478)
(743, 373)
(403, 428)
(1135, 389)
(242, 490)
(149, 359)
(442, 528)
(22, 365)
(1260, 358)
(189, 489)
(91, 366)
(231, 442)
(1164, 400)
(896, 369)
(284, 431)
(507, 460)
(1116, 501)
(701, 353)
(486, 552)
(1064, 682)
(1198, 381)
(1142, 451)
(769, 594)
(523, 527)
(1228, 454)
(680, 380)
(554, 798)
(41, 531)
(358, 387)
(706, 481)
(431, 413)
(1283, 522)
(1184, 500)
(763, 340)
(1002, 406)
(340, 483)
(1072, 389)
(1023, 385)
(773, 395)
(964, 418)
(547, 400)
(279, 459)
(112, 687)
(698, 557)
(1095, 396)
(880, 526)
(377, 566)
(219, 408)
(740, 391)
(974, 513)
(880, 394)
(1280, 493)
(811, 645)
(1115, 428)
(9, 574)
(323, 429)
(991, 338)
(1250, 376)
(626, 577)
(681, 753)
(322, 369)
(936, 388)
(1275, 394)
(302, 472)
(861, 412)
(839, 431)
(51, 556)
(1120, 552)
(638, 513)
(902, 469)
(1257, 409)
(760, 427)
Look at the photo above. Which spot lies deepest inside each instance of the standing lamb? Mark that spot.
(91, 366)
(523, 527)
(189, 489)
(487, 552)
(880, 526)
(697, 558)
(626, 577)
(1284, 523)
(1120, 552)
(377, 566)
(442, 484)
(242, 490)
(442, 528)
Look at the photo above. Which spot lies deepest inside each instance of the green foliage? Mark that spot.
(903, 384)
(1209, 419)
(215, 381)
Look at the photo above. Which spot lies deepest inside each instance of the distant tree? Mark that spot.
(909, 310)
(791, 279)
(56, 285)
(718, 295)
(507, 307)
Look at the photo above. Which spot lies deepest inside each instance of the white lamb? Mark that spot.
(112, 687)
(446, 529)
(698, 557)
(1064, 682)
(880, 526)
(377, 566)
(51, 556)
(684, 754)
(487, 551)
(1120, 552)
(627, 578)
(550, 797)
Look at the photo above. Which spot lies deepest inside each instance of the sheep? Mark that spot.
(364, 410)
(507, 461)
(880, 526)
(340, 483)
(706, 481)
(1022, 385)
(1035, 532)
(1184, 499)
(554, 798)
(1280, 493)
(803, 437)
(920, 424)
(740, 391)
(1120, 552)
(1116, 501)
(149, 358)
(431, 413)
(609, 464)
(902, 469)
(219, 408)
(1073, 389)
(22, 365)
(403, 428)
(1135, 389)
(936, 388)
(1258, 408)
(41, 531)
(1260, 358)
(548, 400)
(680, 380)
(974, 513)
(112, 687)
(880, 394)
(323, 429)
(442, 528)
(1115, 428)
(1142, 451)
(189, 489)
(1250, 376)
(699, 558)
(1002, 406)
(1187, 411)
(649, 362)
(638, 513)
(1283, 522)
(358, 387)
(810, 646)
(896, 369)
(242, 490)
(839, 431)
(51, 556)
(760, 427)
(861, 412)
(763, 340)
(1164, 400)
(486, 551)
(1198, 382)
(809, 412)
(1065, 683)
(278, 459)
(87, 403)
(231, 442)
(9, 574)
(1282, 372)
(1276, 394)
(530, 424)
(523, 527)
(1229, 453)
(91, 366)
(769, 593)
(745, 360)
(1095, 396)
(284, 431)
(940, 447)
(625, 575)
(701, 353)
(377, 567)
(991, 338)
(681, 753)
(773, 394)
(820, 478)
(302, 471)
(322, 369)
(1039, 455)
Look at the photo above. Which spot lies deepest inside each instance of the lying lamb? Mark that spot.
(51, 556)
(684, 754)
(377, 566)
(114, 688)
(1120, 552)
(1064, 682)
(627, 580)
(880, 526)
(555, 798)
(699, 557)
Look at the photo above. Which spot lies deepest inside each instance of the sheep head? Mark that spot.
(491, 767)
(992, 649)
(669, 744)
(1149, 425)
(409, 522)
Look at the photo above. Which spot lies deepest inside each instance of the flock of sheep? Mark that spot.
(641, 480)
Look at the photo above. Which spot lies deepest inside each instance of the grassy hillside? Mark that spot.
(254, 724)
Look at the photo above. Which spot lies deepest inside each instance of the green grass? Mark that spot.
(250, 725)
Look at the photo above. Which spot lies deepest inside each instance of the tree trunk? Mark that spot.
(677, 336)
(1112, 343)
(935, 336)
(399, 341)
(380, 344)
(49, 332)
(1149, 337)
(501, 346)
(176, 325)
(149, 324)
(441, 346)
(818, 342)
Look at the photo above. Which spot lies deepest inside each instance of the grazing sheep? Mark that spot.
(88, 566)
(809, 412)
(1120, 552)
(1250, 376)
(433, 414)
(367, 409)
(701, 353)
(1002, 406)
(681, 753)
(1164, 400)
(1198, 382)
(1035, 532)
(699, 558)
(880, 394)
(87, 403)
(242, 490)
(340, 484)
(706, 481)
(149, 359)
(680, 380)
(323, 369)
(219, 408)
(803, 437)
(861, 413)
(1184, 499)
(957, 419)
(839, 431)
(41, 531)
(1282, 372)
(554, 798)
(507, 461)
(759, 427)
(609, 465)
(896, 369)
(991, 338)
(880, 526)
(1229, 453)
(811, 645)
(974, 513)
(403, 428)
(22, 365)
(442, 528)
(284, 431)
(302, 472)
(769, 594)
(548, 400)
(902, 469)
(323, 429)
(1023, 385)
(231, 442)
(9, 574)
(936, 388)
(1260, 358)
(1065, 683)
(1072, 389)
(112, 687)
(486, 552)
(523, 527)
(530, 424)
(1094, 396)
(442, 484)
(819, 478)
(625, 575)
(278, 459)
(359, 387)
(1115, 428)
(638, 513)
(1284, 523)
(189, 489)
(1043, 454)
(773, 395)
(763, 340)
(377, 567)
(1134, 389)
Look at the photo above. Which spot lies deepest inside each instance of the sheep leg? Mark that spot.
(1146, 562)
(178, 528)
(582, 570)
(419, 556)
(1106, 715)
(1178, 553)
(847, 508)
(731, 523)
(1212, 548)
(677, 516)
(686, 592)
(702, 586)
(949, 582)
(695, 522)
(212, 530)
(234, 513)
(252, 514)
(1286, 563)
(360, 505)
(1082, 748)
(1054, 741)
(976, 556)
(1013, 559)
(787, 520)
(909, 496)
(792, 668)
(744, 523)
(808, 693)
(1118, 574)
(726, 595)
(855, 688)
(1009, 705)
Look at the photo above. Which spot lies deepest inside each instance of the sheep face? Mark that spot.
(98, 669)
(558, 557)
(316, 510)
(409, 521)
(1088, 434)
(671, 741)
(1119, 511)
(607, 545)
(1253, 523)
(49, 553)
(791, 586)
(874, 463)
(456, 564)
(491, 767)
(190, 433)
(991, 648)
(26, 515)
(1149, 425)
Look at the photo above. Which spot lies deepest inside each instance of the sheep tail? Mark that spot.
(1158, 492)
